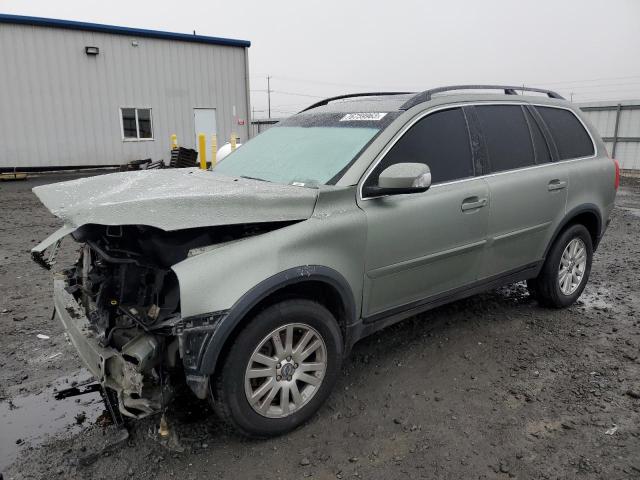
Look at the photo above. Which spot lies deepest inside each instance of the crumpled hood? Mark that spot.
(174, 199)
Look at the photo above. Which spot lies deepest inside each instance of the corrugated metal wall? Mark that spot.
(627, 138)
(61, 107)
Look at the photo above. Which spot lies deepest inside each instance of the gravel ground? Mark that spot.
(490, 387)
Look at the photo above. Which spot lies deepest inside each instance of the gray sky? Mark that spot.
(322, 48)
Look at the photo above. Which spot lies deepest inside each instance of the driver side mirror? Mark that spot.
(400, 178)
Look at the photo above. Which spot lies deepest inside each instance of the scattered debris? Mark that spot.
(165, 436)
(612, 430)
(163, 431)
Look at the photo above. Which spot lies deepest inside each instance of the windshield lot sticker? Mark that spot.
(363, 117)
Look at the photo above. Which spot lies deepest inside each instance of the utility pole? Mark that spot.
(269, 96)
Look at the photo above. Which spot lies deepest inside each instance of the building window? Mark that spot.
(136, 124)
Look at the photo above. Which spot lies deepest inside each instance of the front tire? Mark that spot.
(566, 270)
(280, 369)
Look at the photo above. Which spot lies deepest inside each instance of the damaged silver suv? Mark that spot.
(251, 282)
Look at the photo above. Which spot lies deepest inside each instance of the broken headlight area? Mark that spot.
(120, 304)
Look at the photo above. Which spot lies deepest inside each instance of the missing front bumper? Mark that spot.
(110, 367)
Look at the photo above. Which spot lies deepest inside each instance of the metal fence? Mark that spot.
(259, 126)
(619, 126)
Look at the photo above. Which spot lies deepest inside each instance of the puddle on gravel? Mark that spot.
(31, 418)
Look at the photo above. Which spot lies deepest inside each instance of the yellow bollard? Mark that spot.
(203, 151)
(233, 142)
(174, 141)
(214, 150)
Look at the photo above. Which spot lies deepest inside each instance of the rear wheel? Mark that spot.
(566, 269)
(280, 369)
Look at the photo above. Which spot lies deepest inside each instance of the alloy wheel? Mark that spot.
(573, 264)
(285, 370)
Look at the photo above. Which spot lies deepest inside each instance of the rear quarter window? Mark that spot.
(570, 136)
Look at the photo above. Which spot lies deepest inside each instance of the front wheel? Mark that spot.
(280, 369)
(566, 269)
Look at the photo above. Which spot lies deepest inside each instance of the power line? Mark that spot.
(335, 84)
(600, 89)
(585, 80)
(296, 94)
(560, 82)
(321, 82)
(603, 85)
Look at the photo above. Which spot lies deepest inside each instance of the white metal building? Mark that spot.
(618, 122)
(77, 94)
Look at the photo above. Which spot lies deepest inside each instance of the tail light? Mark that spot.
(616, 182)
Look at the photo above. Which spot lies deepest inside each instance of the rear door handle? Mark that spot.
(473, 203)
(556, 184)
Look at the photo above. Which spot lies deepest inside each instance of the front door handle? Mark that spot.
(556, 184)
(473, 203)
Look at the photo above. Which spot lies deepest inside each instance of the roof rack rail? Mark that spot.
(351, 95)
(508, 90)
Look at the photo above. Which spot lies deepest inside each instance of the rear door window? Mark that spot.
(568, 133)
(439, 140)
(507, 136)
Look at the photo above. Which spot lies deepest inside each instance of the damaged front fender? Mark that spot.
(203, 337)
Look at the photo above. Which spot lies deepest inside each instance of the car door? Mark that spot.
(424, 244)
(528, 191)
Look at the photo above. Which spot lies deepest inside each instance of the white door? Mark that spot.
(205, 122)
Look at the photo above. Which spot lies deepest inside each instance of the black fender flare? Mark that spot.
(569, 217)
(213, 343)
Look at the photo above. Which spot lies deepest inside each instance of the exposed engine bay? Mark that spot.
(123, 284)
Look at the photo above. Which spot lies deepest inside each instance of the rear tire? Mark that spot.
(566, 270)
(248, 394)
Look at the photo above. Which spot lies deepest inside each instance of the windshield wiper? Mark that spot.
(255, 178)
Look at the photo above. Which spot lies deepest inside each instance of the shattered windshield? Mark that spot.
(307, 149)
